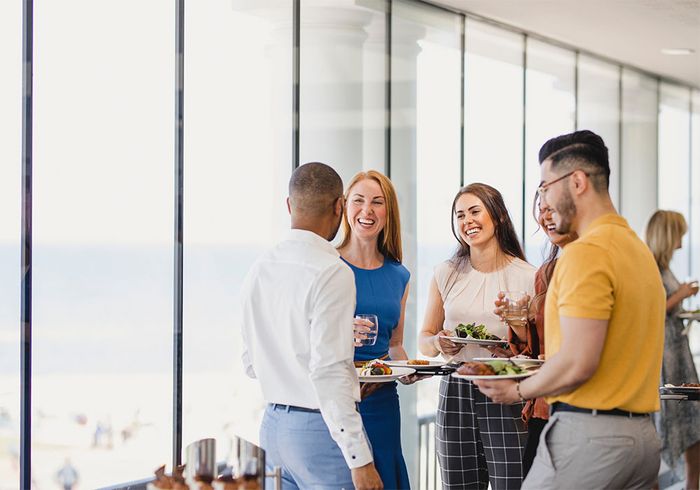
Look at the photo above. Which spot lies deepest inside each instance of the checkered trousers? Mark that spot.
(478, 440)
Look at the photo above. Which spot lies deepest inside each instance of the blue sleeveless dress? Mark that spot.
(380, 291)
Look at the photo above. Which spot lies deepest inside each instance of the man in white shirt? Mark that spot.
(298, 305)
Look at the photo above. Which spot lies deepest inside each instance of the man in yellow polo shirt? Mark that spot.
(604, 321)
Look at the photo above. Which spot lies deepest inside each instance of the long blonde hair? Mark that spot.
(389, 239)
(664, 232)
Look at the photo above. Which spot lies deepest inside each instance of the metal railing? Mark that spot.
(428, 471)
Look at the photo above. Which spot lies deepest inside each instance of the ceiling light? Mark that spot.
(677, 51)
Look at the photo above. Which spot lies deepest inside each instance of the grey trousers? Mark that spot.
(583, 451)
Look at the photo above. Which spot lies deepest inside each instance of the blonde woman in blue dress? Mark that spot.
(372, 249)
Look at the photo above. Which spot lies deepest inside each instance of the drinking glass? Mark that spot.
(369, 337)
(516, 306)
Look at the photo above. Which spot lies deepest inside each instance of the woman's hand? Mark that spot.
(360, 328)
(367, 389)
(688, 289)
(497, 351)
(442, 343)
(412, 378)
(500, 310)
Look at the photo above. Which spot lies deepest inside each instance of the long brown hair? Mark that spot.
(664, 231)
(504, 231)
(389, 239)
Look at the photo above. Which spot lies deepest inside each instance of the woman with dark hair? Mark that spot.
(478, 441)
(527, 338)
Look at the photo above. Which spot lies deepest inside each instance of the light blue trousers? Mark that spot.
(300, 444)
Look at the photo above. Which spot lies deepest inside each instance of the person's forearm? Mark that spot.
(426, 344)
(674, 300)
(558, 375)
(338, 391)
(397, 352)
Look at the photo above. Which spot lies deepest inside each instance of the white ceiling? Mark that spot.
(628, 31)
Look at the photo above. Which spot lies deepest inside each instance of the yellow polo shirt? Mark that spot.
(610, 274)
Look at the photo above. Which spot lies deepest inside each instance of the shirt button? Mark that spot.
(342, 430)
(353, 457)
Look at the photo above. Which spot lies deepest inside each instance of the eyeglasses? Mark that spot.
(542, 189)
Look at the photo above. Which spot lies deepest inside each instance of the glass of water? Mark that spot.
(516, 306)
(367, 334)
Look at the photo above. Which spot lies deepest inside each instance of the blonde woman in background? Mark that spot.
(679, 423)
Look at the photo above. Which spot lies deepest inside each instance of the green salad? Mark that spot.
(474, 331)
(505, 368)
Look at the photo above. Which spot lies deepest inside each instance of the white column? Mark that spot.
(405, 51)
(332, 78)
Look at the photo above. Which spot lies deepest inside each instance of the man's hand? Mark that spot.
(500, 391)
(366, 478)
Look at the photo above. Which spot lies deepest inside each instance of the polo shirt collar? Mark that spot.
(606, 219)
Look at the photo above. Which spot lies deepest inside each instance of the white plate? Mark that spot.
(397, 372)
(689, 315)
(469, 340)
(493, 376)
(432, 364)
(520, 361)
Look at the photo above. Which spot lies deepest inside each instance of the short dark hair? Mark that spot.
(580, 149)
(313, 188)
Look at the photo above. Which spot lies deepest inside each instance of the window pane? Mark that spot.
(599, 110)
(10, 230)
(639, 133)
(493, 126)
(694, 228)
(694, 222)
(237, 166)
(674, 162)
(550, 103)
(103, 219)
(342, 95)
(425, 149)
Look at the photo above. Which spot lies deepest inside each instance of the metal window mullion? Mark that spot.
(296, 76)
(524, 142)
(576, 94)
(690, 180)
(620, 127)
(658, 154)
(463, 88)
(387, 87)
(25, 456)
(178, 231)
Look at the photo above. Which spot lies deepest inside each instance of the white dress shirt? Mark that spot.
(469, 298)
(298, 303)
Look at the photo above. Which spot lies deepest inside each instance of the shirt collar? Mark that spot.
(312, 238)
(606, 219)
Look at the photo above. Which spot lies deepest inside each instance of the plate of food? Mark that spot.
(689, 315)
(471, 333)
(417, 364)
(473, 370)
(684, 391)
(377, 371)
(520, 361)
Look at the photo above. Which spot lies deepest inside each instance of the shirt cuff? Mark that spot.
(357, 454)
